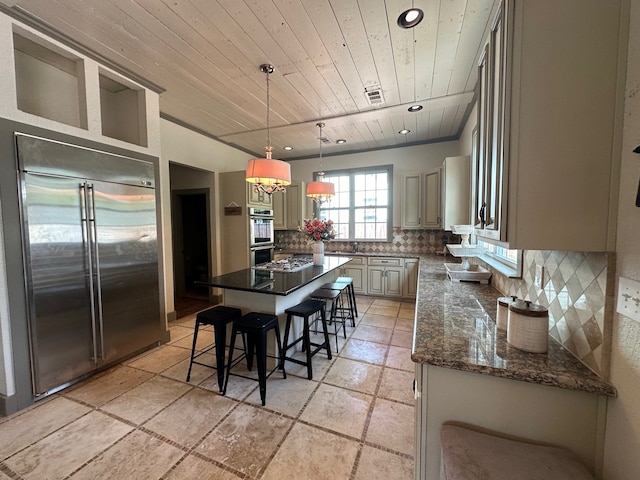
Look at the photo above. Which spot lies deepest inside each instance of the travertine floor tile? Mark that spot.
(161, 359)
(402, 338)
(400, 358)
(205, 340)
(338, 409)
(383, 310)
(188, 419)
(62, 452)
(137, 456)
(391, 426)
(354, 375)
(378, 320)
(370, 352)
(372, 334)
(102, 388)
(312, 454)
(397, 385)
(383, 302)
(199, 373)
(178, 331)
(194, 468)
(405, 324)
(408, 313)
(144, 401)
(378, 464)
(29, 427)
(246, 440)
(286, 396)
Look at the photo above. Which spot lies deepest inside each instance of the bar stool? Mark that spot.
(352, 293)
(305, 310)
(218, 317)
(342, 311)
(255, 326)
(333, 295)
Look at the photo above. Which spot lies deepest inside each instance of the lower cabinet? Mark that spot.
(385, 276)
(357, 270)
(410, 277)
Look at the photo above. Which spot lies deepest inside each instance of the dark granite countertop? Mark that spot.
(274, 282)
(455, 328)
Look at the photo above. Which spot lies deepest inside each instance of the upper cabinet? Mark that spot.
(546, 157)
(421, 204)
(292, 208)
(456, 191)
(258, 199)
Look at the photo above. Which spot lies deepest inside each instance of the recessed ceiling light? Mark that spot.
(410, 18)
(287, 148)
(415, 108)
(404, 131)
(340, 141)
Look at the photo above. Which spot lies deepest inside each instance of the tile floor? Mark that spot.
(141, 420)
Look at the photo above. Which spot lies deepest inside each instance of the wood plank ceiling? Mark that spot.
(327, 55)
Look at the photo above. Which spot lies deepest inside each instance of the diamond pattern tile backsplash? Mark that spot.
(578, 287)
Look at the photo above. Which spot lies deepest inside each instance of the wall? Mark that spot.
(622, 442)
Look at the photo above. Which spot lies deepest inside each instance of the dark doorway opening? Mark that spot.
(191, 250)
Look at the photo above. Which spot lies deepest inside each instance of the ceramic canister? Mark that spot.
(528, 327)
(502, 313)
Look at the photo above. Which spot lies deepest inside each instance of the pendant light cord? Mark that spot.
(268, 110)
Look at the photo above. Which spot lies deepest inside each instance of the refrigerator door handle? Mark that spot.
(86, 239)
(96, 254)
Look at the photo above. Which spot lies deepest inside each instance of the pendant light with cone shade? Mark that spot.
(320, 191)
(267, 174)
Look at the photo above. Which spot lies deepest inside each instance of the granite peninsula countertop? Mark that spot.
(455, 328)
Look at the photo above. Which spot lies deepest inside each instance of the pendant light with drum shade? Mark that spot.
(320, 191)
(267, 174)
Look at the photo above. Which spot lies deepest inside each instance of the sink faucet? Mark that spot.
(355, 247)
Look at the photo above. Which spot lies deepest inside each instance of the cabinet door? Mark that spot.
(393, 281)
(258, 199)
(432, 215)
(410, 277)
(295, 205)
(375, 283)
(280, 210)
(412, 200)
(359, 275)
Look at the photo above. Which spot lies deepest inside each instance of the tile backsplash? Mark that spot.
(404, 241)
(578, 290)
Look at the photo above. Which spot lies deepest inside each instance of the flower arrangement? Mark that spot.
(318, 230)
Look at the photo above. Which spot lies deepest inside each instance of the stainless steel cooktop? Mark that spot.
(291, 264)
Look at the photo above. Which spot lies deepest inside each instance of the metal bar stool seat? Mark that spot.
(333, 295)
(218, 317)
(305, 310)
(255, 326)
(352, 293)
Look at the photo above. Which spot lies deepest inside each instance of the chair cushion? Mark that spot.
(471, 455)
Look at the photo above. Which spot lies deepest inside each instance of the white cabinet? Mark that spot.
(258, 199)
(545, 161)
(410, 281)
(357, 270)
(456, 191)
(292, 207)
(385, 276)
(421, 199)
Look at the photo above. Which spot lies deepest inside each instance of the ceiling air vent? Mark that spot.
(374, 95)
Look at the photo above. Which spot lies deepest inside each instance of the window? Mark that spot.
(361, 208)
(507, 261)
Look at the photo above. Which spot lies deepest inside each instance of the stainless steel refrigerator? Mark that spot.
(91, 258)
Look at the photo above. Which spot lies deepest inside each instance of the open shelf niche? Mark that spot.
(122, 110)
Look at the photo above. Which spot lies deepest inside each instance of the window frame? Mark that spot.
(494, 257)
(351, 173)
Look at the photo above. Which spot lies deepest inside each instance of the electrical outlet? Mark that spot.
(538, 281)
(629, 298)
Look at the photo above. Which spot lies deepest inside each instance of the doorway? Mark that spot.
(191, 249)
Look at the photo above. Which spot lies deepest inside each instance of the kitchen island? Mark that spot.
(270, 291)
(467, 372)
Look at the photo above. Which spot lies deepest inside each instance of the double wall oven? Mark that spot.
(261, 236)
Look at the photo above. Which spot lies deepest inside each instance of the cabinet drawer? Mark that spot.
(385, 262)
(358, 261)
